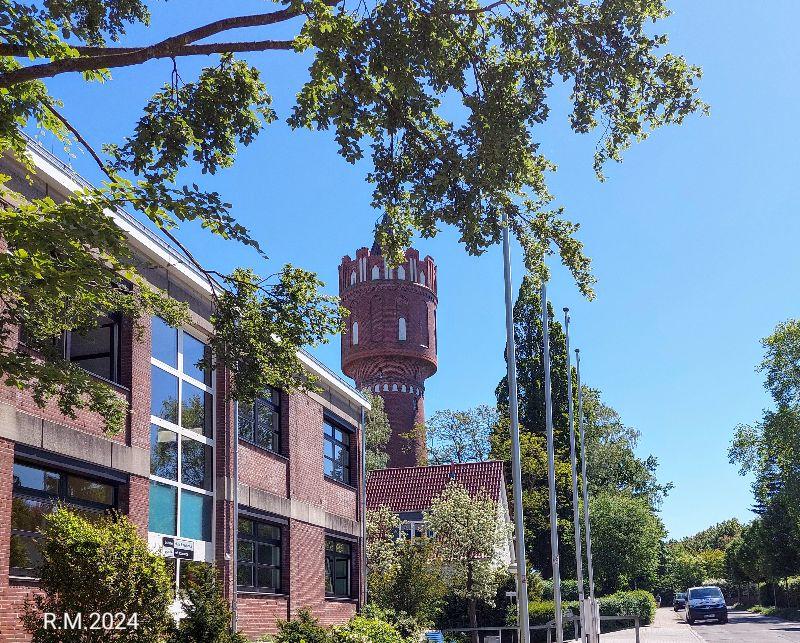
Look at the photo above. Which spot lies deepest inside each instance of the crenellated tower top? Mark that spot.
(390, 344)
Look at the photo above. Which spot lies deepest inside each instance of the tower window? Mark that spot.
(422, 278)
(401, 272)
(376, 272)
(401, 329)
(354, 333)
(353, 278)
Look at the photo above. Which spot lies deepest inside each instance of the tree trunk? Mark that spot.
(774, 594)
(472, 605)
(473, 617)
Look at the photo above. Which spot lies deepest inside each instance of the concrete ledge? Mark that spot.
(24, 428)
(296, 510)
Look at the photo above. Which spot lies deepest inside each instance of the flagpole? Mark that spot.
(576, 515)
(551, 470)
(523, 616)
(584, 479)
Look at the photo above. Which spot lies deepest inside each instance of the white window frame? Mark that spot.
(204, 550)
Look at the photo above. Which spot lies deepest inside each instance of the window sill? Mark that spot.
(275, 454)
(346, 485)
(264, 593)
(341, 599)
(23, 580)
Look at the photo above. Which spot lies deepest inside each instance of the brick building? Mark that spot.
(390, 346)
(172, 469)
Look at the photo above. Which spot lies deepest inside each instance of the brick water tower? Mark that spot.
(390, 344)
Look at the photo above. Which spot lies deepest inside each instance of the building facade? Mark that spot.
(390, 347)
(279, 512)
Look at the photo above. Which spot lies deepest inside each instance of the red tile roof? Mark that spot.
(414, 488)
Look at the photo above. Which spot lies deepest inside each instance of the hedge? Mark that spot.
(633, 603)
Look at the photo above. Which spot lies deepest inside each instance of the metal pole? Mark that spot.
(363, 508)
(551, 469)
(576, 510)
(234, 547)
(584, 480)
(523, 617)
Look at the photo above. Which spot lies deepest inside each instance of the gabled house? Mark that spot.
(409, 492)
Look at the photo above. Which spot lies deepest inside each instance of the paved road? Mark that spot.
(745, 627)
(742, 627)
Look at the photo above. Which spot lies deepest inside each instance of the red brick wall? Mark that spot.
(258, 614)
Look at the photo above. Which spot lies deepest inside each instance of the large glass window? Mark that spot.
(338, 563)
(165, 342)
(260, 423)
(258, 554)
(336, 456)
(195, 359)
(196, 510)
(181, 435)
(36, 491)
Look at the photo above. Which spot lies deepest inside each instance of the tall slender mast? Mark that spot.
(516, 468)
(584, 480)
(551, 468)
(576, 511)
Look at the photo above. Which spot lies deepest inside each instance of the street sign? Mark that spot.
(181, 548)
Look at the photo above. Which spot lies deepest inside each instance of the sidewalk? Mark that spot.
(667, 627)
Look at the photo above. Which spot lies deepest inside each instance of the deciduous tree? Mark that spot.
(467, 537)
(377, 78)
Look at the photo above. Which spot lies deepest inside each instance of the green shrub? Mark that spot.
(361, 629)
(99, 566)
(208, 615)
(303, 628)
(404, 623)
(632, 603)
(541, 612)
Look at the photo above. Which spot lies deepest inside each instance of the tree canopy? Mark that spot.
(381, 77)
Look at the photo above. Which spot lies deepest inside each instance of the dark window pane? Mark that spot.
(195, 409)
(164, 395)
(246, 422)
(245, 552)
(195, 463)
(25, 555)
(163, 452)
(163, 508)
(269, 554)
(268, 578)
(196, 512)
(268, 532)
(245, 526)
(194, 351)
(27, 513)
(93, 349)
(343, 548)
(165, 342)
(29, 477)
(342, 587)
(90, 491)
(244, 575)
(328, 575)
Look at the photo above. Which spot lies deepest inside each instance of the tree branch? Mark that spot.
(80, 139)
(20, 51)
(165, 49)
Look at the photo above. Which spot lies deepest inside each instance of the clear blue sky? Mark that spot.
(694, 238)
